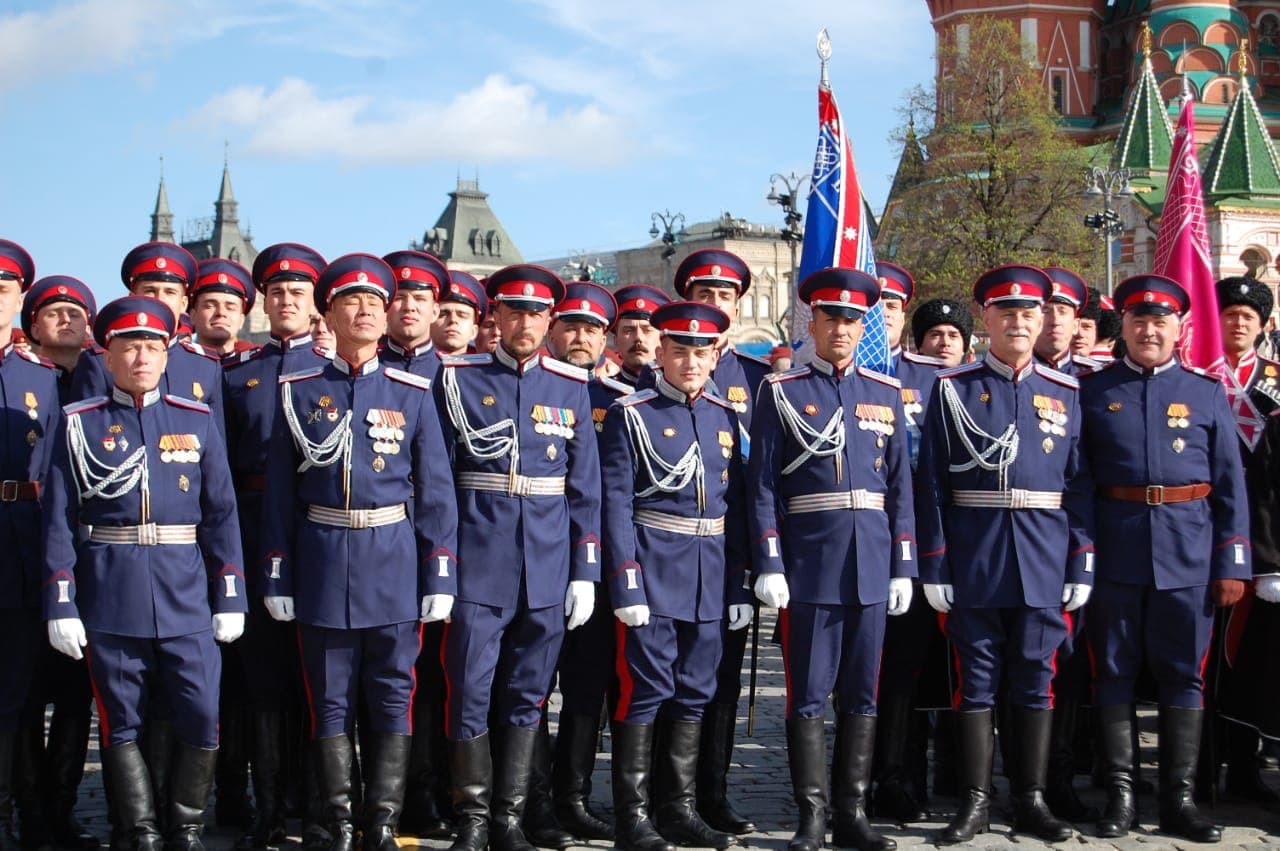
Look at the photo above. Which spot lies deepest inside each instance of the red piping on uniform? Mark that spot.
(413, 675)
(1237, 618)
(784, 632)
(104, 722)
(448, 687)
(306, 687)
(626, 686)
(1204, 664)
(1053, 660)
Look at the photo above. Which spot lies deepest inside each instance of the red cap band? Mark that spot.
(1151, 297)
(525, 291)
(714, 272)
(838, 297)
(136, 322)
(422, 276)
(161, 265)
(8, 265)
(293, 265)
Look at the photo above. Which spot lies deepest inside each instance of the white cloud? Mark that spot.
(497, 121)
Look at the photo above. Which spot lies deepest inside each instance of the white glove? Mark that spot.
(280, 608)
(1267, 588)
(67, 636)
(899, 596)
(740, 615)
(632, 615)
(1074, 596)
(579, 602)
(436, 607)
(771, 589)
(941, 597)
(228, 626)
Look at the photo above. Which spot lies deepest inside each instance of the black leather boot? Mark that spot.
(1032, 729)
(945, 755)
(852, 765)
(385, 768)
(571, 768)
(676, 766)
(893, 799)
(1244, 775)
(715, 752)
(1179, 750)
(8, 747)
(27, 767)
(132, 801)
(334, 758)
(65, 755)
(471, 770)
(157, 744)
(511, 761)
(189, 788)
(1060, 790)
(975, 732)
(268, 826)
(541, 827)
(632, 757)
(807, 756)
(232, 807)
(315, 813)
(1115, 735)
(428, 759)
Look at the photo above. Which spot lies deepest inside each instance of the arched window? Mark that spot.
(763, 312)
(1255, 262)
(747, 307)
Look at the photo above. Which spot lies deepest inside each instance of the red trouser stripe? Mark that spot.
(626, 686)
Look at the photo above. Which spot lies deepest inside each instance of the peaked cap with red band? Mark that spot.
(895, 282)
(1154, 294)
(418, 270)
(465, 288)
(51, 290)
(355, 273)
(16, 264)
(586, 302)
(158, 261)
(1068, 288)
(690, 322)
(1012, 286)
(525, 287)
(713, 268)
(134, 316)
(841, 292)
(639, 301)
(287, 261)
(217, 275)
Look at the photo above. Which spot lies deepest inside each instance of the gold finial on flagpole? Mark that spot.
(824, 54)
(1244, 58)
(1146, 40)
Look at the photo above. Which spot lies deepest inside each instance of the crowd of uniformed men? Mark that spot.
(361, 564)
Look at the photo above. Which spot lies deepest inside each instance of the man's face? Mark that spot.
(1060, 325)
(357, 319)
(10, 302)
(170, 292)
(455, 327)
(320, 332)
(288, 307)
(218, 318)
(725, 298)
(1013, 331)
(410, 317)
(522, 331)
(686, 367)
(635, 340)
(1149, 339)
(1086, 337)
(489, 334)
(894, 318)
(61, 325)
(835, 337)
(945, 342)
(136, 364)
(578, 342)
(1241, 325)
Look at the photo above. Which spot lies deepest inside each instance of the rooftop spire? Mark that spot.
(1243, 162)
(1146, 137)
(162, 216)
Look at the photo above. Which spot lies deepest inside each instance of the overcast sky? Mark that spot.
(347, 123)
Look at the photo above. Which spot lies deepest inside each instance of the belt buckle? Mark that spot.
(1155, 495)
(359, 518)
(148, 535)
(704, 527)
(523, 486)
(8, 491)
(1018, 498)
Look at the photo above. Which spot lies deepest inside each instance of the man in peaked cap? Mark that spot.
(221, 297)
(285, 274)
(720, 278)
(897, 288)
(1004, 552)
(1053, 347)
(834, 534)
(161, 578)
(420, 279)
(634, 337)
(1173, 527)
(676, 549)
(518, 425)
(57, 313)
(463, 306)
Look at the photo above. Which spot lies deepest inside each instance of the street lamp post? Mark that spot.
(672, 231)
(1107, 184)
(788, 200)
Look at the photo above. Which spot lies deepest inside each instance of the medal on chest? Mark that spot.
(1053, 417)
(386, 429)
(551, 420)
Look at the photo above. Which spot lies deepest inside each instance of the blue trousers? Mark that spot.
(587, 669)
(1018, 644)
(21, 636)
(666, 662)
(832, 649)
(341, 665)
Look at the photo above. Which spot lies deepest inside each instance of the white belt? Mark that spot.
(511, 485)
(700, 527)
(1013, 498)
(146, 535)
(858, 500)
(359, 518)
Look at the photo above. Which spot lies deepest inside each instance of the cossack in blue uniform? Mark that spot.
(415, 270)
(637, 301)
(1070, 289)
(895, 283)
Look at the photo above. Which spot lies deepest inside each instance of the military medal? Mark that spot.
(1179, 444)
(1115, 406)
(488, 401)
(184, 484)
(984, 397)
(109, 443)
(551, 452)
(877, 418)
(252, 382)
(29, 399)
(668, 432)
(738, 397)
(1178, 414)
(324, 402)
(197, 391)
(911, 404)
(555, 421)
(179, 448)
(811, 409)
(331, 415)
(725, 438)
(32, 437)
(379, 464)
(1052, 413)
(115, 428)
(597, 417)
(879, 463)
(1047, 445)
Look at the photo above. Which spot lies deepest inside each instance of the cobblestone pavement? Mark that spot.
(760, 787)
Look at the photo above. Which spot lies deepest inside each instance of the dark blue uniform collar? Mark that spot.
(367, 368)
(666, 388)
(130, 401)
(504, 357)
(826, 367)
(1004, 370)
(303, 339)
(417, 351)
(1142, 370)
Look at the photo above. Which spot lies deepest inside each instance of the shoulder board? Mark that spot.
(1098, 370)
(97, 350)
(466, 360)
(301, 374)
(1265, 362)
(241, 358)
(879, 376)
(1056, 377)
(189, 404)
(407, 378)
(84, 405)
(1082, 360)
(716, 400)
(755, 358)
(787, 375)
(197, 349)
(1195, 370)
(568, 370)
(617, 386)
(912, 357)
(31, 357)
(637, 397)
(960, 370)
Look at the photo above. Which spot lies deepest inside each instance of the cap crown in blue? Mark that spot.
(417, 270)
(841, 292)
(1067, 287)
(287, 261)
(218, 275)
(895, 281)
(466, 288)
(639, 300)
(354, 273)
(712, 267)
(134, 316)
(690, 322)
(15, 262)
(1151, 294)
(1014, 285)
(526, 287)
(585, 301)
(158, 261)
(52, 289)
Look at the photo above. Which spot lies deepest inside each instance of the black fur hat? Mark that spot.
(1247, 291)
(941, 311)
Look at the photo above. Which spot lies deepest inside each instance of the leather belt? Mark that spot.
(145, 535)
(698, 527)
(357, 518)
(857, 500)
(1015, 498)
(1157, 494)
(12, 491)
(511, 485)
